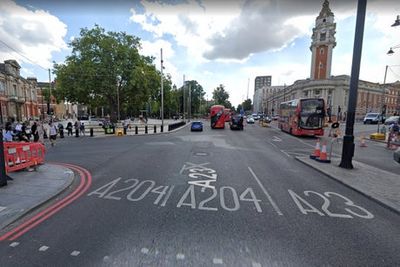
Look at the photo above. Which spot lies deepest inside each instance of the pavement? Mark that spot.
(377, 184)
(211, 198)
(29, 190)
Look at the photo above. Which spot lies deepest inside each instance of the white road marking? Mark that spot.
(75, 253)
(284, 152)
(276, 139)
(43, 248)
(2, 208)
(218, 261)
(14, 244)
(272, 144)
(276, 208)
(180, 256)
(144, 250)
(255, 264)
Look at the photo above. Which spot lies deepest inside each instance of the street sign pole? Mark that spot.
(162, 92)
(348, 139)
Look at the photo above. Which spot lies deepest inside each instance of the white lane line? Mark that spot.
(144, 250)
(284, 152)
(43, 248)
(276, 139)
(180, 256)
(218, 261)
(272, 144)
(276, 208)
(14, 244)
(75, 253)
(2, 208)
(255, 264)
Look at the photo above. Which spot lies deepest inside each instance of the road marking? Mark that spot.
(2, 208)
(276, 208)
(180, 256)
(218, 261)
(284, 152)
(272, 144)
(14, 244)
(189, 165)
(43, 248)
(75, 253)
(276, 139)
(255, 264)
(144, 250)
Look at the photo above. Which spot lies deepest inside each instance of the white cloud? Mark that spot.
(36, 34)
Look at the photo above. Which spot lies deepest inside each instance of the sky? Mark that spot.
(212, 41)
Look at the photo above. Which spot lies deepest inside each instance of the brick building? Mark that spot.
(18, 96)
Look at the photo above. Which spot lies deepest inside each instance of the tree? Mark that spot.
(221, 96)
(247, 105)
(239, 108)
(104, 69)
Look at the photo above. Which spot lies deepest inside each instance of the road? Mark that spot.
(213, 198)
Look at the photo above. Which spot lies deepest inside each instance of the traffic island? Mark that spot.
(378, 185)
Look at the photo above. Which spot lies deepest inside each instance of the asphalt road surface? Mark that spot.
(212, 198)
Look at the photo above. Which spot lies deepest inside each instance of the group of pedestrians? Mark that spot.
(39, 131)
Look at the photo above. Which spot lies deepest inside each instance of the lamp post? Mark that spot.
(162, 91)
(348, 139)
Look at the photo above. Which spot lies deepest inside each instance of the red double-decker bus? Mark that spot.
(217, 114)
(228, 115)
(303, 116)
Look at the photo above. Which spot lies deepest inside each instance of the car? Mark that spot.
(392, 119)
(275, 117)
(236, 123)
(372, 118)
(267, 119)
(196, 126)
(250, 120)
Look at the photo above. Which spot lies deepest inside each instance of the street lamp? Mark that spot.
(391, 52)
(396, 22)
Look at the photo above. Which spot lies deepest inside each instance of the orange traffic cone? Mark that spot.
(317, 151)
(323, 157)
(362, 142)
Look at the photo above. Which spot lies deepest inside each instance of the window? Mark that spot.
(322, 36)
(2, 86)
(317, 92)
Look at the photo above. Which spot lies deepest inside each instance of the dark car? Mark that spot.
(236, 123)
(196, 126)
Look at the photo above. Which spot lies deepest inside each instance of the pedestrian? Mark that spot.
(8, 135)
(53, 133)
(77, 126)
(35, 132)
(82, 129)
(69, 128)
(61, 130)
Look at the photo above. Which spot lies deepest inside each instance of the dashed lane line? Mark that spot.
(144, 250)
(218, 261)
(75, 253)
(14, 244)
(180, 256)
(43, 248)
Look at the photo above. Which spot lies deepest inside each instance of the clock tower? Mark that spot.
(323, 42)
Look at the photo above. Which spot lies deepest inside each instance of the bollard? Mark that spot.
(169, 128)
(125, 129)
(91, 132)
(136, 129)
(145, 129)
(76, 132)
(162, 128)
(155, 129)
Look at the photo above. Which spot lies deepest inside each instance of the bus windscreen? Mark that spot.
(312, 113)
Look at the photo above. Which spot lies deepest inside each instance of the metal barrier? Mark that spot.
(19, 155)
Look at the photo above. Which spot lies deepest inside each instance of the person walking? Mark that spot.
(53, 133)
(35, 132)
(82, 129)
(69, 128)
(77, 126)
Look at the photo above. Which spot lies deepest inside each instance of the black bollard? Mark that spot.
(91, 132)
(162, 128)
(76, 132)
(145, 129)
(136, 129)
(155, 129)
(125, 130)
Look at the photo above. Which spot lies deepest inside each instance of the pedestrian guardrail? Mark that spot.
(20, 155)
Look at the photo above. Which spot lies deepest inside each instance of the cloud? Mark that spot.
(35, 34)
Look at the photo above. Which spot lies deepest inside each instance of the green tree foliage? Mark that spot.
(105, 66)
(197, 93)
(247, 105)
(221, 96)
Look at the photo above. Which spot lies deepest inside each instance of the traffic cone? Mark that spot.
(317, 151)
(362, 141)
(323, 156)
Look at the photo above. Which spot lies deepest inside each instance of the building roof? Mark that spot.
(325, 11)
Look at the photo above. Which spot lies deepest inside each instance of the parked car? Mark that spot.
(372, 118)
(236, 123)
(250, 120)
(275, 117)
(267, 119)
(392, 119)
(196, 126)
